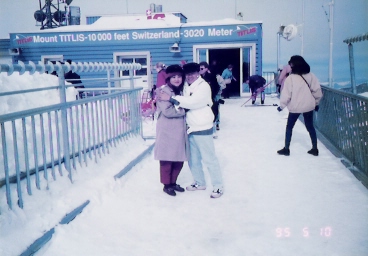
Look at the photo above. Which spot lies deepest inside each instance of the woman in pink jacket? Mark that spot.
(161, 74)
(285, 72)
(301, 95)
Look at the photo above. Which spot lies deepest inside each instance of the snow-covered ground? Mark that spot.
(272, 205)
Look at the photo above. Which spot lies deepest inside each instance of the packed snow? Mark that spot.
(272, 205)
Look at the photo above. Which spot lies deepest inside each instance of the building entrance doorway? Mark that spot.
(241, 56)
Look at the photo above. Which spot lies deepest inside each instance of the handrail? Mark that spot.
(67, 130)
(94, 125)
(343, 120)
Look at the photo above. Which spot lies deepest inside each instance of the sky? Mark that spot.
(272, 205)
(350, 19)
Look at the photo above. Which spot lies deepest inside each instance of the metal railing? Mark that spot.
(343, 120)
(37, 144)
(270, 77)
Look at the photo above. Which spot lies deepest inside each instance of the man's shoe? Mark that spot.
(170, 191)
(253, 101)
(284, 151)
(313, 151)
(177, 187)
(216, 193)
(217, 127)
(262, 101)
(195, 187)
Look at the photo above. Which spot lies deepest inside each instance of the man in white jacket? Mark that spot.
(199, 118)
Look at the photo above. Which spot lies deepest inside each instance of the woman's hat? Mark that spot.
(191, 68)
(173, 70)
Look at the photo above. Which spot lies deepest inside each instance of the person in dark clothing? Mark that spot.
(211, 79)
(74, 79)
(255, 83)
(214, 68)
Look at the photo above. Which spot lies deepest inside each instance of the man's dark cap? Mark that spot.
(191, 68)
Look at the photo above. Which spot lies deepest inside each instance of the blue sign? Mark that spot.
(231, 32)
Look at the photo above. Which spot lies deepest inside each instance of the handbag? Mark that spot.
(227, 81)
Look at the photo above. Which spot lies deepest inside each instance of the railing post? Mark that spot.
(352, 68)
(64, 122)
(131, 78)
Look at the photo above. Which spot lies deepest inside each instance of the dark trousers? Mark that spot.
(215, 109)
(226, 92)
(169, 171)
(308, 121)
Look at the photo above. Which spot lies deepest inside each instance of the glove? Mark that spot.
(279, 109)
(316, 108)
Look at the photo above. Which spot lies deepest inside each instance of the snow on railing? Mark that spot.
(43, 138)
(49, 67)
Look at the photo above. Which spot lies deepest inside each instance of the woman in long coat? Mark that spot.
(170, 146)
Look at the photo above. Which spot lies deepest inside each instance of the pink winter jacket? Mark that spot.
(281, 80)
(297, 96)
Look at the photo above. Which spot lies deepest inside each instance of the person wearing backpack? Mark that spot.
(301, 95)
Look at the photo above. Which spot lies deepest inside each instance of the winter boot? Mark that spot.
(177, 187)
(168, 189)
(313, 151)
(284, 151)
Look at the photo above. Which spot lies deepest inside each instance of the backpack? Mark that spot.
(221, 82)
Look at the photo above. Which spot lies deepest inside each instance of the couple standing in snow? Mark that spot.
(184, 130)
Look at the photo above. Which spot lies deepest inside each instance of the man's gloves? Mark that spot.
(279, 109)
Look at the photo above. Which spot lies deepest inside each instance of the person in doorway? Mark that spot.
(215, 88)
(199, 118)
(74, 78)
(256, 83)
(161, 74)
(214, 67)
(170, 146)
(227, 75)
(301, 95)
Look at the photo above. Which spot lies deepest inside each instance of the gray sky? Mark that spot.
(350, 19)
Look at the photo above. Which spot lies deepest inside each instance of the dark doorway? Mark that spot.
(223, 58)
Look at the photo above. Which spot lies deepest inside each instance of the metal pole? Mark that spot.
(303, 24)
(331, 43)
(235, 9)
(64, 123)
(352, 68)
(278, 50)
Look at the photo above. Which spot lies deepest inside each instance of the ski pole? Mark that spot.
(257, 91)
